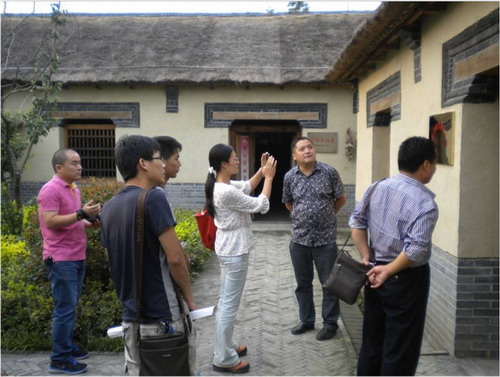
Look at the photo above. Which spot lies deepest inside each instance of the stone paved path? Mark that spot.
(267, 313)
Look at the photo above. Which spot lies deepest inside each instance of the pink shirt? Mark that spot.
(67, 243)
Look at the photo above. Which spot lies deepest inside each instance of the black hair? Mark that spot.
(130, 149)
(168, 146)
(60, 157)
(414, 151)
(218, 154)
(295, 141)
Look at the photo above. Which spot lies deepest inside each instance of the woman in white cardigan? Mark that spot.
(230, 203)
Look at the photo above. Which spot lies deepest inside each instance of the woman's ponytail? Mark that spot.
(209, 194)
(218, 154)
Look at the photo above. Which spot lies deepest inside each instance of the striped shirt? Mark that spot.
(400, 216)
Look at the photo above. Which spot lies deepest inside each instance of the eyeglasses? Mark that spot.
(158, 158)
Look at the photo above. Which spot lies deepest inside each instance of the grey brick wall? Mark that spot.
(475, 89)
(320, 108)
(462, 314)
(192, 196)
(417, 64)
(186, 195)
(29, 191)
(131, 107)
(388, 87)
(345, 212)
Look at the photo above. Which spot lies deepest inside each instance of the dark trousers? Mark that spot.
(303, 258)
(393, 324)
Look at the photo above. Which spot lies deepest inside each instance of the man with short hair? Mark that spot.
(170, 150)
(313, 192)
(62, 223)
(400, 216)
(141, 165)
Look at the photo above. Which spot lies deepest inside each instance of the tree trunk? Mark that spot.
(16, 183)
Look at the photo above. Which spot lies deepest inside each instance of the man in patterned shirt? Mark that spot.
(313, 193)
(401, 215)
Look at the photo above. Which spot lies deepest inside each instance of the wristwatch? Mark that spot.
(80, 215)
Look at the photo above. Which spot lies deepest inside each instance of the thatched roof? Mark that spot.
(268, 50)
(382, 31)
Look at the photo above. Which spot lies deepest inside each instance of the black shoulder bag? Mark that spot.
(167, 354)
(348, 275)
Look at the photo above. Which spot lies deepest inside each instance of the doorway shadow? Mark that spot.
(278, 145)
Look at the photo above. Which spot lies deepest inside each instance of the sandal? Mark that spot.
(242, 350)
(240, 368)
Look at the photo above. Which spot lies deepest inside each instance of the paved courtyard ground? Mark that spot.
(268, 311)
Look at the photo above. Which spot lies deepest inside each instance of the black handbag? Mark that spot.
(348, 275)
(168, 354)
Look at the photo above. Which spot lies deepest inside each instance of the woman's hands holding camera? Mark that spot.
(268, 165)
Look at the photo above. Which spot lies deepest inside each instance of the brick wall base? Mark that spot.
(462, 314)
(192, 196)
(186, 195)
(29, 191)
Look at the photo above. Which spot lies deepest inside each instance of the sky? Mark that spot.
(182, 7)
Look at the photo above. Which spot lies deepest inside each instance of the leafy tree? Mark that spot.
(21, 130)
(298, 7)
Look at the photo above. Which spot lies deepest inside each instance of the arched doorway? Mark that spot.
(252, 138)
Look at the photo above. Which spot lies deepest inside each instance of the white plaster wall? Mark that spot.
(188, 124)
(419, 101)
(478, 228)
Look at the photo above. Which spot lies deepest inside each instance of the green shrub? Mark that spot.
(11, 216)
(100, 190)
(187, 232)
(26, 295)
(26, 306)
(98, 310)
(11, 248)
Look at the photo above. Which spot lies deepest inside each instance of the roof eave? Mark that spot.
(379, 33)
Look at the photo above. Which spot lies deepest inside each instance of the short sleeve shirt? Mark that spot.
(118, 237)
(67, 243)
(313, 198)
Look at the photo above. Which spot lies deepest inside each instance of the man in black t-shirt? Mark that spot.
(141, 166)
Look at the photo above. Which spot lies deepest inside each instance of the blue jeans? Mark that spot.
(232, 281)
(323, 258)
(66, 279)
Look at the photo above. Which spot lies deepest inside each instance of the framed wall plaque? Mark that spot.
(324, 142)
(441, 132)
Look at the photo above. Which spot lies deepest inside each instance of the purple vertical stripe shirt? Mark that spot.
(400, 216)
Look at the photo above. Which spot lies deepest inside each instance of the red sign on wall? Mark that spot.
(245, 158)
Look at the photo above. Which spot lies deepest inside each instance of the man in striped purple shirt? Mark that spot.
(400, 217)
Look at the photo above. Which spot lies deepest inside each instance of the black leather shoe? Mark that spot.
(302, 328)
(326, 333)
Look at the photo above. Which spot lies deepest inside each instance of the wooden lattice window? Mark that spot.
(95, 144)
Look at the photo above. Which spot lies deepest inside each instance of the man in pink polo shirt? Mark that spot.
(62, 222)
